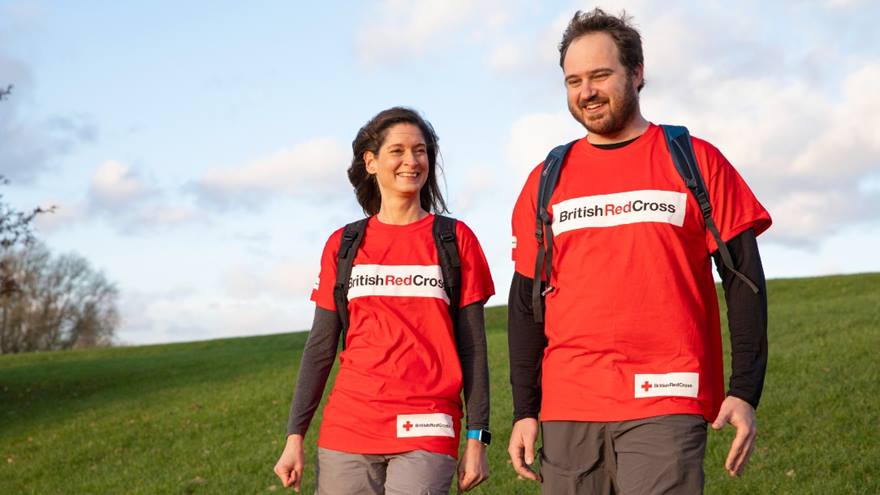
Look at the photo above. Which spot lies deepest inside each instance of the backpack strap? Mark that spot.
(450, 262)
(352, 235)
(543, 226)
(679, 142)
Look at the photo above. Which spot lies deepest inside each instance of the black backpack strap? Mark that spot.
(679, 142)
(352, 235)
(450, 262)
(543, 226)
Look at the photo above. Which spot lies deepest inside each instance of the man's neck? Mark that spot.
(635, 128)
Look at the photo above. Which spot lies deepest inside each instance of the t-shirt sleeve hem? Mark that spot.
(467, 300)
(759, 225)
(324, 305)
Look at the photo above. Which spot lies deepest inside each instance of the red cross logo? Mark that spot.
(646, 385)
(407, 426)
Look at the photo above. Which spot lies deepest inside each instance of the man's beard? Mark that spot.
(616, 119)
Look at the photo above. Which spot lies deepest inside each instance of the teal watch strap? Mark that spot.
(482, 436)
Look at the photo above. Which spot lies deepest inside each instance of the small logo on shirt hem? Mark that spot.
(667, 385)
(425, 425)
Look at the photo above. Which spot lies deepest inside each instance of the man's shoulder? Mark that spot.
(703, 146)
(696, 141)
(534, 177)
(709, 157)
(530, 185)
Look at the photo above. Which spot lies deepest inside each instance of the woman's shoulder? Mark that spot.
(334, 240)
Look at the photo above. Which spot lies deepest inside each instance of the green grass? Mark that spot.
(209, 417)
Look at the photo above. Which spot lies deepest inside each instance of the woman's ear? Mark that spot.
(370, 162)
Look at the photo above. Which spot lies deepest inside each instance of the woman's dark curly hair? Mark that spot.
(370, 138)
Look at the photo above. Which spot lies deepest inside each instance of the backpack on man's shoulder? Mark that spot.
(447, 252)
(678, 141)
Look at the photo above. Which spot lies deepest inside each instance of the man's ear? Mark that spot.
(638, 77)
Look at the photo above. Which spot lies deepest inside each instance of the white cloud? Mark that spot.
(162, 215)
(133, 202)
(852, 132)
(525, 51)
(120, 194)
(288, 279)
(506, 56)
(807, 214)
(313, 168)
(115, 184)
(182, 314)
(401, 29)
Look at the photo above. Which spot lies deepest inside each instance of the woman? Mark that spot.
(391, 423)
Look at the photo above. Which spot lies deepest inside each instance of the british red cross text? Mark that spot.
(393, 280)
(611, 209)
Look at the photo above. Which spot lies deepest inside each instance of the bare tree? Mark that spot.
(48, 303)
(15, 228)
(61, 303)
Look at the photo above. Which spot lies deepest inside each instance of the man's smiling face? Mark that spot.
(601, 92)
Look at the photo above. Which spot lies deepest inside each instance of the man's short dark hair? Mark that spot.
(625, 36)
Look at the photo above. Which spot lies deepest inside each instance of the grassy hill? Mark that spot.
(209, 417)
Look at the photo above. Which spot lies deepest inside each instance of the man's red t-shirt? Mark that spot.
(399, 382)
(632, 326)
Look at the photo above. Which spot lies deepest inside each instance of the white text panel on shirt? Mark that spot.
(609, 210)
(397, 280)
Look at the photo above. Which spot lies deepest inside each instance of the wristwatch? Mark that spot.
(483, 436)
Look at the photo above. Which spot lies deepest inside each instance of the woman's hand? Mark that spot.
(473, 468)
(289, 467)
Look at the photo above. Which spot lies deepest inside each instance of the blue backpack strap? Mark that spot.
(352, 235)
(450, 262)
(543, 226)
(678, 140)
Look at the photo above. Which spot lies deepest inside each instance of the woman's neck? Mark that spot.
(401, 211)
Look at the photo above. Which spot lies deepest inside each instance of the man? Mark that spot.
(625, 369)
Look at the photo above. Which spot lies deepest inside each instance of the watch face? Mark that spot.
(482, 436)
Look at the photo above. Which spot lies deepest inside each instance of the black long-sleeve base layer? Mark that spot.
(320, 352)
(746, 316)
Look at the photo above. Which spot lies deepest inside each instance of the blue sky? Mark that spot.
(197, 150)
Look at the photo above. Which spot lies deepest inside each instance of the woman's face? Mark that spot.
(401, 166)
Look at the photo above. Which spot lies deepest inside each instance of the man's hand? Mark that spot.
(289, 467)
(522, 447)
(741, 415)
(473, 468)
